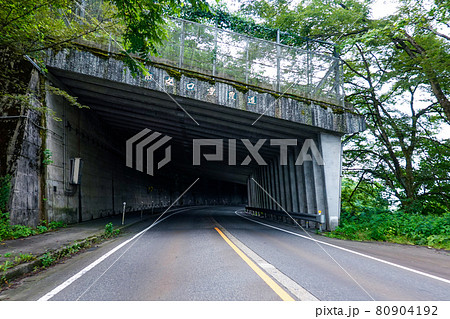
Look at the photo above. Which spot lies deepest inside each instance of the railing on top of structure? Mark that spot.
(256, 62)
(249, 61)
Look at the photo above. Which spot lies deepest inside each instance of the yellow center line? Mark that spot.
(269, 281)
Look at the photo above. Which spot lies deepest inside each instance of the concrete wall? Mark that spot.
(306, 111)
(23, 161)
(307, 188)
(106, 182)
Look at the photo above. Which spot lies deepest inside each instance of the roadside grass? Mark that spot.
(52, 257)
(13, 261)
(8, 231)
(397, 227)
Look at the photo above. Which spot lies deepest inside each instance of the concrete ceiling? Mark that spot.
(129, 109)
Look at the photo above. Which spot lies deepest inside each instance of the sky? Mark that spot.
(380, 8)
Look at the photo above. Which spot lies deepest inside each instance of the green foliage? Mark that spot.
(400, 227)
(5, 187)
(23, 258)
(398, 61)
(41, 229)
(6, 265)
(47, 157)
(31, 27)
(8, 231)
(47, 260)
(110, 231)
(363, 195)
(56, 225)
(220, 17)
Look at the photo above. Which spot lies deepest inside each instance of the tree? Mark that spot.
(416, 35)
(30, 27)
(399, 60)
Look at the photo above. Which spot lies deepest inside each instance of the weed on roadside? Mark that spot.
(110, 231)
(47, 260)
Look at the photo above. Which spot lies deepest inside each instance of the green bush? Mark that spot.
(17, 231)
(55, 225)
(47, 260)
(110, 231)
(430, 230)
(41, 229)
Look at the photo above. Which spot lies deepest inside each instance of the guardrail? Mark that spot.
(318, 219)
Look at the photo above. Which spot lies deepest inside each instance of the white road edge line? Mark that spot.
(293, 287)
(350, 251)
(78, 275)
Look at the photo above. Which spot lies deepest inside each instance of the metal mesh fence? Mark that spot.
(247, 60)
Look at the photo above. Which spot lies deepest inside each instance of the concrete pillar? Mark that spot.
(261, 182)
(331, 149)
(272, 185)
(249, 192)
(276, 182)
(301, 188)
(293, 182)
(266, 186)
(308, 173)
(282, 201)
(255, 190)
(287, 187)
(319, 187)
(258, 187)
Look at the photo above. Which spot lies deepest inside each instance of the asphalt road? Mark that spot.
(215, 254)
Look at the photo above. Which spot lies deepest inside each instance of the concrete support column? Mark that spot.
(271, 185)
(266, 186)
(260, 191)
(310, 194)
(331, 149)
(287, 188)
(319, 187)
(301, 188)
(249, 192)
(282, 185)
(276, 182)
(293, 182)
(257, 189)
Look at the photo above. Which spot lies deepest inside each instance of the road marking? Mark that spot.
(293, 287)
(269, 281)
(350, 251)
(78, 275)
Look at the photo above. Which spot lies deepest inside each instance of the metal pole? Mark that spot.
(278, 60)
(123, 213)
(308, 68)
(180, 63)
(215, 51)
(246, 61)
(142, 209)
(337, 78)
